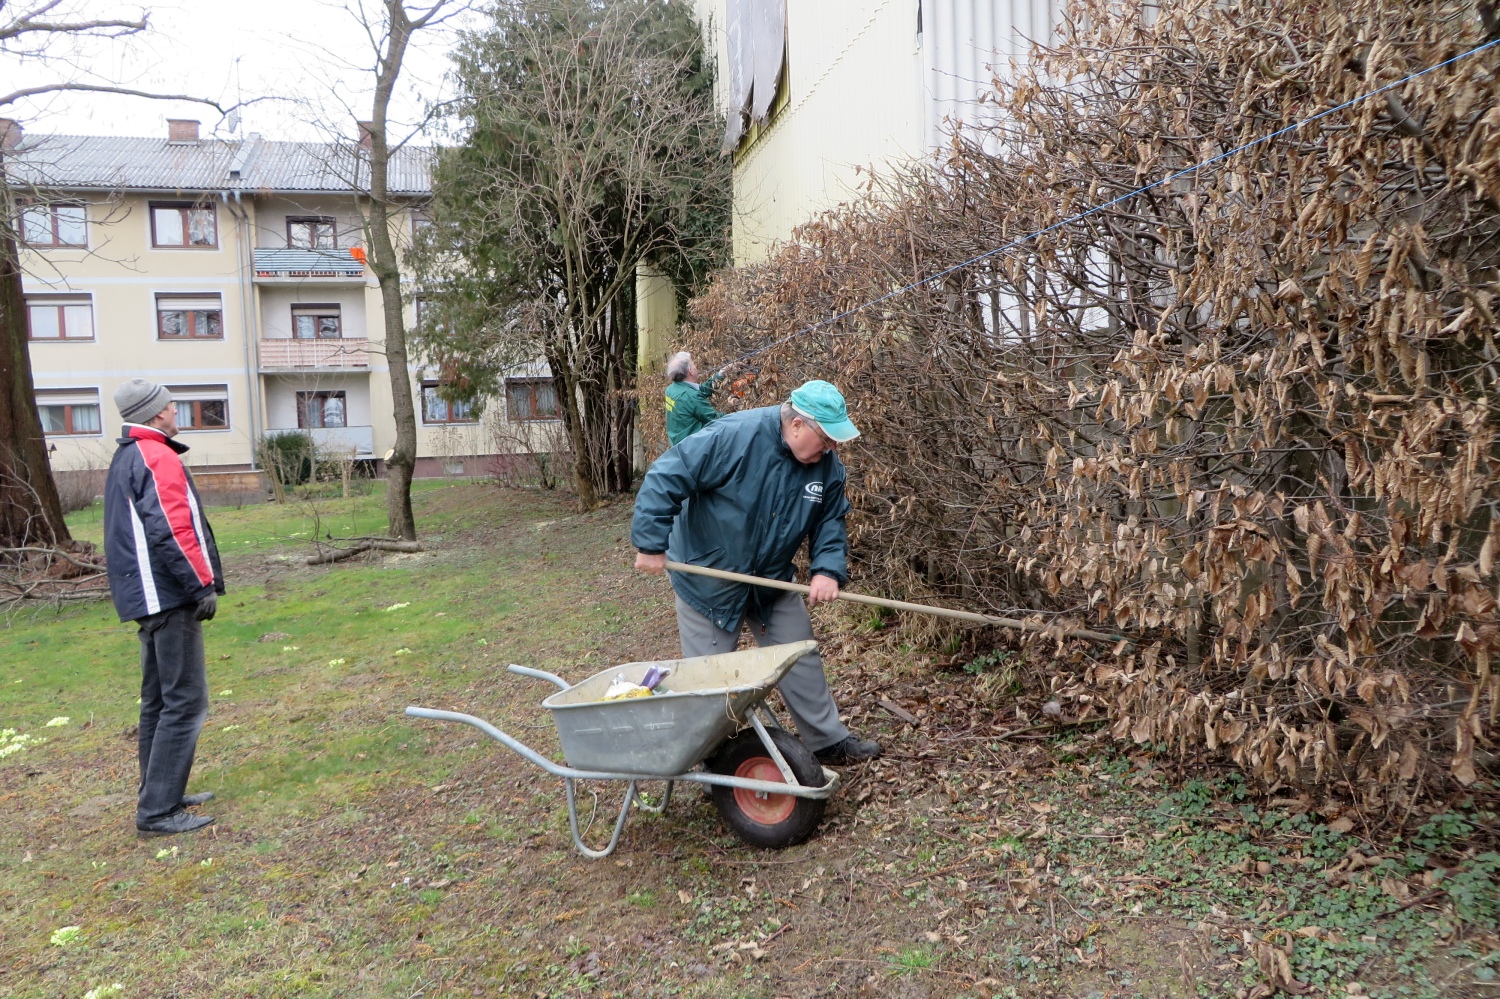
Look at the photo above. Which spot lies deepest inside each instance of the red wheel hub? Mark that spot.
(759, 806)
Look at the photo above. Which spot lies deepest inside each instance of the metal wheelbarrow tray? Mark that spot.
(694, 717)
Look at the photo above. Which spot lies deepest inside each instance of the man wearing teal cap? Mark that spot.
(743, 494)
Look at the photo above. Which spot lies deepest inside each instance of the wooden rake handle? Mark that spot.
(900, 605)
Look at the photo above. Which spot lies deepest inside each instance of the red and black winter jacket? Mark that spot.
(158, 547)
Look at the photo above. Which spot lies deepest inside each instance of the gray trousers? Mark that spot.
(174, 705)
(804, 688)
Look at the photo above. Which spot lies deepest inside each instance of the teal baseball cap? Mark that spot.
(820, 402)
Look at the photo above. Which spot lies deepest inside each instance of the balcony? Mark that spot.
(303, 267)
(336, 439)
(346, 354)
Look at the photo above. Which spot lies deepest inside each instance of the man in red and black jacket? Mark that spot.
(164, 575)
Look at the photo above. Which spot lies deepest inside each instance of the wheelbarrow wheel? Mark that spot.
(769, 820)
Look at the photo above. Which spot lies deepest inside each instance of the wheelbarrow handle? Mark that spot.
(539, 674)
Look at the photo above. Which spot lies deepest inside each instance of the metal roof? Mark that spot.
(297, 261)
(252, 165)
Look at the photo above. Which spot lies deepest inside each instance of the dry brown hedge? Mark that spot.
(1244, 418)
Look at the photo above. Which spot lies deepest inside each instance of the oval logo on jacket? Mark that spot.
(813, 491)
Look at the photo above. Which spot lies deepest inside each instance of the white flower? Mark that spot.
(165, 854)
(100, 991)
(403, 652)
(12, 742)
(228, 728)
(226, 693)
(59, 721)
(396, 607)
(64, 935)
(337, 662)
(290, 648)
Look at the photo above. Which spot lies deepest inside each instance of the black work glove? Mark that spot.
(207, 608)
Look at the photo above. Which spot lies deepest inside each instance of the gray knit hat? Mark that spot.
(139, 400)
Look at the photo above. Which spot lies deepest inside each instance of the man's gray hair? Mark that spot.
(678, 365)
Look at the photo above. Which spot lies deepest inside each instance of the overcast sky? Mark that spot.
(313, 56)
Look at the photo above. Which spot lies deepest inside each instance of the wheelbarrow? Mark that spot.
(710, 710)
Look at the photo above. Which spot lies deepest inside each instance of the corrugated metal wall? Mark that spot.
(966, 44)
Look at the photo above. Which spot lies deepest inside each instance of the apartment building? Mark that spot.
(233, 272)
(816, 93)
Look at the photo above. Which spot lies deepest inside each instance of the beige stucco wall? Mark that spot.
(122, 273)
(656, 320)
(854, 73)
(271, 212)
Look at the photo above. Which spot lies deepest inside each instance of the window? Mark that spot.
(185, 317)
(54, 225)
(420, 221)
(201, 407)
(429, 320)
(311, 232)
(530, 399)
(68, 412)
(316, 322)
(436, 409)
(184, 224)
(321, 409)
(56, 318)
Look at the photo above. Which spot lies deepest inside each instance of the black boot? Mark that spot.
(851, 749)
(177, 822)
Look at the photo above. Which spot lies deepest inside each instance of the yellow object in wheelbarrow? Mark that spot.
(621, 688)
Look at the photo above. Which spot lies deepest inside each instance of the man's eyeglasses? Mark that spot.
(829, 443)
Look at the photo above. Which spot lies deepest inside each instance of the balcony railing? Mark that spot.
(335, 440)
(314, 355)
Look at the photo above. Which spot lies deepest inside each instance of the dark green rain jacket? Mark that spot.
(688, 410)
(734, 497)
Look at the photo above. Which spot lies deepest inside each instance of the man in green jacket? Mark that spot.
(744, 494)
(688, 409)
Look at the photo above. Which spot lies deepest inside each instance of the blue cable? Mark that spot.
(1113, 201)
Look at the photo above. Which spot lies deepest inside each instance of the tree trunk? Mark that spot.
(386, 265)
(565, 386)
(30, 511)
(595, 390)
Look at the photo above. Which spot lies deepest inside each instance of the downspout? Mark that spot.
(251, 320)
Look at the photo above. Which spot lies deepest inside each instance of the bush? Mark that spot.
(288, 457)
(1242, 418)
(78, 488)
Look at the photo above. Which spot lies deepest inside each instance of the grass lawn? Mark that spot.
(361, 853)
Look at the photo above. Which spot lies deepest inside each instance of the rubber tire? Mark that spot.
(806, 813)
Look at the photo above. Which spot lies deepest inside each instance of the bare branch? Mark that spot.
(52, 88)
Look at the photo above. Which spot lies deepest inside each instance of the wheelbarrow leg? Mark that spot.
(766, 740)
(666, 799)
(614, 840)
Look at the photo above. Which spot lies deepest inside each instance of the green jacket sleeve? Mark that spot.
(687, 468)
